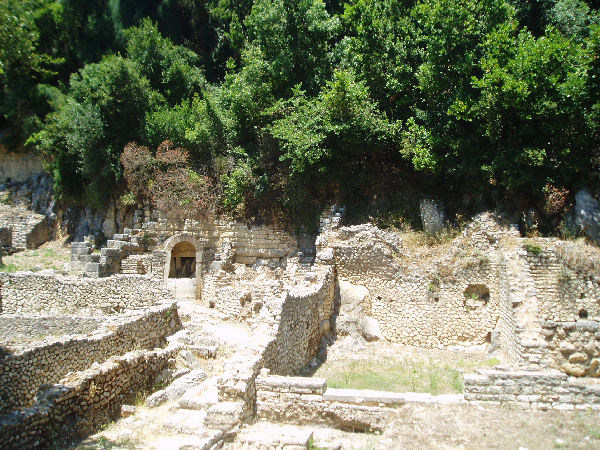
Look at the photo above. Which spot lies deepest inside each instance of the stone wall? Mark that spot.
(286, 338)
(534, 389)
(83, 401)
(23, 328)
(22, 372)
(302, 401)
(250, 244)
(47, 293)
(573, 347)
(28, 229)
(507, 336)
(444, 301)
(238, 296)
(137, 265)
(19, 166)
(304, 319)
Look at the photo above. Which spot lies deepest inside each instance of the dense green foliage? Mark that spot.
(286, 105)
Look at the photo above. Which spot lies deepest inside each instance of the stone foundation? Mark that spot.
(301, 400)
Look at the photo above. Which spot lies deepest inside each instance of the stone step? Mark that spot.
(122, 237)
(123, 245)
(204, 441)
(363, 396)
(200, 397)
(267, 435)
(109, 251)
(186, 421)
(226, 414)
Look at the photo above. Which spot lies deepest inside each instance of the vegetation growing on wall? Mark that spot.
(284, 105)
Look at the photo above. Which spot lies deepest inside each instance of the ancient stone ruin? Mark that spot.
(216, 319)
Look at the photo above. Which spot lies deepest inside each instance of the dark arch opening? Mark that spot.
(183, 261)
(583, 314)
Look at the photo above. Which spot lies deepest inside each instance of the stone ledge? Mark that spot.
(364, 396)
(297, 385)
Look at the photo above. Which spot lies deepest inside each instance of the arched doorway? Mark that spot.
(183, 261)
(183, 265)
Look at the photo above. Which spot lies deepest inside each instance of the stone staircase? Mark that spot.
(108, 262)
(524, 301)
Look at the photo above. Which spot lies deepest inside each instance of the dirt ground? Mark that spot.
(473, 426)
(464, 425)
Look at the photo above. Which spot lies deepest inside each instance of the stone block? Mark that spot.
(358, 396)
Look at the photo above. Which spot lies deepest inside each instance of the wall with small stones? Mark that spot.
(566, 280)
(48, 293)
(287, 337)
(238, 297)
(577, 283)
(81, 402)
(424, 304)
(22, 372)
(137, 265)
(28, 229)
(573, 347)
(23, 328)
(532, 389)
(303, 321)
(508, 339)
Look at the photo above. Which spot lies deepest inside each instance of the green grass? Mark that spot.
(9, 268)
(50, 253)
(399, 375)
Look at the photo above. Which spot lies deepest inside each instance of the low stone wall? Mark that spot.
(286, 340)
(23, 328)
(81, 402)
(300, 400)
(573, 347)
(533, 389)
(49, 293)
(21, 373)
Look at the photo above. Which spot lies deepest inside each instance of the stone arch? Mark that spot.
(184, 243)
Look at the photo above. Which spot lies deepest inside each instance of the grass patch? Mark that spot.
(45, 257)
(9, 268)
(532, 248)
(399, 375)
(49, 253)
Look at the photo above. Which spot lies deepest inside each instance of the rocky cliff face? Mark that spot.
(35, 194)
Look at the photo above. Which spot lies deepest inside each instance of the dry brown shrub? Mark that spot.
(167, 180)
(556, 200)
(138, 168)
